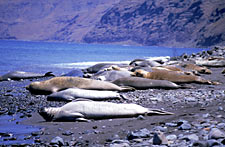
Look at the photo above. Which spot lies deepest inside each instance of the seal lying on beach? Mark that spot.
(85, 109)
(200, 69)
(144, 83)
(212, 62)
(172, 76)
(100, 66)
(74, 73)
(61, 83)
(111, 75)
(18, 75)
(144, 63)
(74, 93)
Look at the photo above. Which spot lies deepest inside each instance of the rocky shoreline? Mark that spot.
(198, 120)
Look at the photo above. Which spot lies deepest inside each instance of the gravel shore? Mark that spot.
(198, 120)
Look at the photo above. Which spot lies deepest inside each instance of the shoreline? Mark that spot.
(196, 111)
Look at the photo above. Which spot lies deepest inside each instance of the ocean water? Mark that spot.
(60, 58)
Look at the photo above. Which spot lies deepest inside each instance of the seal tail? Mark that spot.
(158, 112)
(49, 74)
(186, 87)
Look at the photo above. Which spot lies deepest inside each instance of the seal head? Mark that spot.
(47, 116)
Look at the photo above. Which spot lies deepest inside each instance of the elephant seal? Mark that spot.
(18, 75)
(212, 62)
(97, 67)
(74, 73)
(200, 69)
(144, 63)
(172, 76)
(74, 93)
(61, 83)
(111, 75)
(82, 110)
(143, 83)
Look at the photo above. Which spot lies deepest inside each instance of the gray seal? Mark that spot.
(83, 110)
(111, 75)
(18, 75)
(212, 62)
(97, 67)
(74, 93)
(144, 83)
(74, 73)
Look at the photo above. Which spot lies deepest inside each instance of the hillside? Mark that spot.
(162, 23)
(50, 20)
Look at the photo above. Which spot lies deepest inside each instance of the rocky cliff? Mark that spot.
(190, 23)
(163, 23)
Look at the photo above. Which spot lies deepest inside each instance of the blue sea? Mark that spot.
(60, 58)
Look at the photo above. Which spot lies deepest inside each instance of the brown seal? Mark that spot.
(200, 69)
(61, 83)
(172, 76)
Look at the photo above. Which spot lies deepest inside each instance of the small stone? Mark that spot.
(216, 133)
(159, 138)
(95, 127)
(143, 133)
(119, 143)
(140, 117)
(223, 141)
(212, 142)
(200, 144)
(185, 126)
(171, 137)
(171, 124)
(160, 128)
(192, 137)
(206, 115)
(220, 108)
(138, 140)
(67, 133)
(57, 141)
(5, 135)
(36, 133)
(190, 99)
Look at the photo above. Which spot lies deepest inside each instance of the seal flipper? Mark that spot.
(66, 98)
(82, 120)
(158, 112)
(68, 116)
(127, 88)
(49, 74)
(81, 99)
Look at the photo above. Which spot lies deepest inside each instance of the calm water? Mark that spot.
(62, 57)
(8, 124)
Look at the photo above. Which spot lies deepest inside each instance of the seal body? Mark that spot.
(172, 76)
(74, 93)
(111, 75)
(74, 73)
(144, 83)
(95, 110)
(197, 68)
(61, 83)
(18, 75)
(212, 62)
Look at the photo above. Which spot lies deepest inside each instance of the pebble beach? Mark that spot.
(198, 119)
